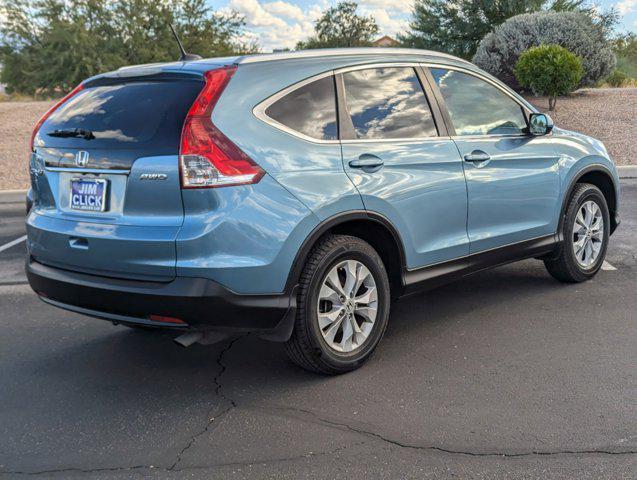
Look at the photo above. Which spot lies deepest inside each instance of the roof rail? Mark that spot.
(340, 52)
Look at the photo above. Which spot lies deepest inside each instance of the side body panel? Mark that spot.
(244, 237)
(421, 190)
(514, 195)
(579, 154)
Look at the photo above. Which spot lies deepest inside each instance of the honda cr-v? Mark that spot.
(296, 195)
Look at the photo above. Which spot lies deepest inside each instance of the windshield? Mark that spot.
(125, 115)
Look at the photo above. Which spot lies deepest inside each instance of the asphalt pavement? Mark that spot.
(505, 374)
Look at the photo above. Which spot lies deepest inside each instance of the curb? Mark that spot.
(19, 196)
(13, 196)
(627, 171)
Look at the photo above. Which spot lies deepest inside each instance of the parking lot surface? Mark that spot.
(505, 374)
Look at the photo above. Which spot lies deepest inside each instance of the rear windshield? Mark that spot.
(134, 115)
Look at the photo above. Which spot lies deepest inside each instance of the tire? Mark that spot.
(568, 266)
(310, 346)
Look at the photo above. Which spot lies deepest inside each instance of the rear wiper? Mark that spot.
(76, 132)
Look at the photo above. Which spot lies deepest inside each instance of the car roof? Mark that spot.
(337, 55)
(341, 52)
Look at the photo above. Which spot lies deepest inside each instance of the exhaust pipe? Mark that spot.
(187, 339)
(204, 338)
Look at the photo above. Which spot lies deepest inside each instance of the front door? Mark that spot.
(401, 167)
(512, 177)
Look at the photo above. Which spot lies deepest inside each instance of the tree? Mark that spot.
(625, 47)
(48, 46)
(340, 26)
(549, 70)
(500, 50)
(457, 26)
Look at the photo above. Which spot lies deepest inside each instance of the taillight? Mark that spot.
(207, 157)
(53, 109)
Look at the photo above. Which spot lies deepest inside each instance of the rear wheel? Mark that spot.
(342, 306)
(586, 229)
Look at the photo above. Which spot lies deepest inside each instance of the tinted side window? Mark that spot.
(310, 110)
(388, 103)
(477, 107)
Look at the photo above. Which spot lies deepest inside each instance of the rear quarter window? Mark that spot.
(310, 110)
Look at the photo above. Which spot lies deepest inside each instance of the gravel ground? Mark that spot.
(17, 120)
(607, 114)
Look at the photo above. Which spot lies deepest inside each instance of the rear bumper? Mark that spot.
(201, 303)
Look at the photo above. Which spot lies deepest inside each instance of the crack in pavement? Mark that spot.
(219, 394)
(192, 467)
(211, 419)
(79, 470)
(333, 423)
(274, 460)
(404, 444)
(316, 418)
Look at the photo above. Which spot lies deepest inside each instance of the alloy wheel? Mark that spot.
(347, 306)
(588, 234)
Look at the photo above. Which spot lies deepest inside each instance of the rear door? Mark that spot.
(512, 177)
(402, 167)
(107, 197)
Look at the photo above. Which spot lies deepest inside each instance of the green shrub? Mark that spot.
(500, 50)
(549, 70)
(617, 78)
(626, 52)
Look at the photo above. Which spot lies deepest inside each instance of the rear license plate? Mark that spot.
(88, 194)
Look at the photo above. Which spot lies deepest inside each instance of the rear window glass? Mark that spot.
(125, 115)
(310, 110)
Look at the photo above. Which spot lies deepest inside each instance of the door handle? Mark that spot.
(367, 162)
(477, 156)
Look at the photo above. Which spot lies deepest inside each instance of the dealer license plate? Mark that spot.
(89, 194)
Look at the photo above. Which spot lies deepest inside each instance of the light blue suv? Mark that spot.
(296, 195)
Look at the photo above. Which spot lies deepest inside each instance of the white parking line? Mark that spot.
(14, 242)
(607, 266)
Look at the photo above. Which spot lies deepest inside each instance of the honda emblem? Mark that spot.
(81, 158)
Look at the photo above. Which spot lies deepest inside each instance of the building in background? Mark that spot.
(385, 41)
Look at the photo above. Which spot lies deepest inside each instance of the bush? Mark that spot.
(549, 70)
(617, 78)
(626, 53)
(500, 50)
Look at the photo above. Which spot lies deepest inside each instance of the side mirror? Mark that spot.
(540, 124)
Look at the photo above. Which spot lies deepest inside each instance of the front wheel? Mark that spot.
(342, 306)
(586, 230)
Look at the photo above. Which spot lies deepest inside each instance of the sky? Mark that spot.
(282, 23)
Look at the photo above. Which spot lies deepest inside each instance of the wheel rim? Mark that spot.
(588, 233)
(347, 306)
